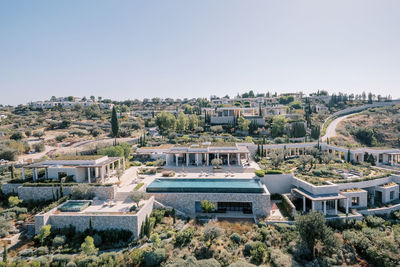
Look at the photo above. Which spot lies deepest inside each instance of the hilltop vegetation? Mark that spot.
(375, 127)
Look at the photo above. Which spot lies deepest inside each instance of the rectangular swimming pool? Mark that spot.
(200, 185)
(74, 206)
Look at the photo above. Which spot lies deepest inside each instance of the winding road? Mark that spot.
(331, 129)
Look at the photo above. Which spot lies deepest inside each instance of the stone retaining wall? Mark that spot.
(8, 189)
(36, 193)
(380, 211)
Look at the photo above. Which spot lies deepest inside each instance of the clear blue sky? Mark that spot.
(168, 48)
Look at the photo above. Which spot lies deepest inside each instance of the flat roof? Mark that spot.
(200, 185)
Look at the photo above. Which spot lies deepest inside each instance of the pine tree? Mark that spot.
(114, 123)
(12, 170)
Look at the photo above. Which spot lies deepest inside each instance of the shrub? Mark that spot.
(207, 206)
(26, 252)
(13, 201)
(184, 237)
(58, 241)
(235, 238)
(41, 261)
(39, 147)
(137, 256)
(273, 171)
(61, 259)
(87, 261)
(138, 186)
(136, 163)
(258, 252)
(61, 137)
(259, 173)
(212, 232)
(373, 221)
(42, 251)
(154, 258)
(279, 259)
(82, 191)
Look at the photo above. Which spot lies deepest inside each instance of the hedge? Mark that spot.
(273, 171)
(259, 173)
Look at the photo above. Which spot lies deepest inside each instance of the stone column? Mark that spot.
(176, 160)
(102, 174)
(304, 203)
(23, 174)
(347, 206)
(335, 206)
(238, 159)
(187, 159)
(324, 207)
(208, 159)
(197, 159)
(88, 175)
(228, 160)
(312, 205)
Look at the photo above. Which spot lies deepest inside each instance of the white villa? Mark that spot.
(82, 169)
(199, 154)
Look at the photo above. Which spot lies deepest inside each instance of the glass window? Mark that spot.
(391, 195)
(355, 201)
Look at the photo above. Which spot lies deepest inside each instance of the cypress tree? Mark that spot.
(348, 155)
(12, 170)
(173, 212)
(114, 123)
(141, 231)
(52, 192)
(5, 252)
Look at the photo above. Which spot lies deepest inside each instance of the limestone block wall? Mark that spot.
(185, 202)
(362, 195)
(386, 193)
(380, 211)
(46, 192)
(10, 188)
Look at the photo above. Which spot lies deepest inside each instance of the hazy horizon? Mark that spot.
(184, 49)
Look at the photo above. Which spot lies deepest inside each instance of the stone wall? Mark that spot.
(185, 202)
(363, 199)
(27, 193)
(380, 211)
(10, 188)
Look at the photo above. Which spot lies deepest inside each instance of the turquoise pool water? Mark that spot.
(190, 185)
(74, 206)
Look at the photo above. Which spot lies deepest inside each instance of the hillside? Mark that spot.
(376, 127)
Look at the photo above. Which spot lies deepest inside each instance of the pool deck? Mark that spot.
(109, 207)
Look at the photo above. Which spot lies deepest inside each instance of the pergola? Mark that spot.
(102, 170)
